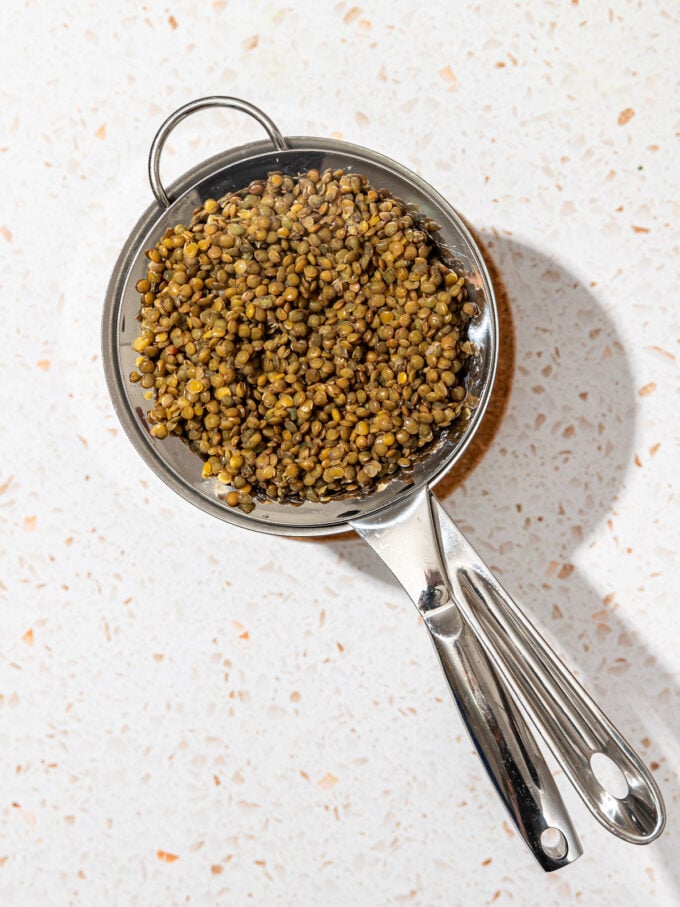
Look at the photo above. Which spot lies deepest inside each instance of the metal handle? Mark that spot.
(405, 537)
(181, 113)
(571, 723)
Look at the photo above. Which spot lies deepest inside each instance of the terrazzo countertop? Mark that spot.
(194, 714)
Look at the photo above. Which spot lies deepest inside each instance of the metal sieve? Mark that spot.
(496, 663)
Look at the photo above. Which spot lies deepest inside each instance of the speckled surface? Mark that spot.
(194, 714)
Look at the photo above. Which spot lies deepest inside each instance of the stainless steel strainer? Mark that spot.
(498, 667)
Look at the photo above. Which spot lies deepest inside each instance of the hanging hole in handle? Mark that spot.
(609, 775)
(181, 113)
(554, 843)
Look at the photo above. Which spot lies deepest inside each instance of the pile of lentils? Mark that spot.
(304, 337)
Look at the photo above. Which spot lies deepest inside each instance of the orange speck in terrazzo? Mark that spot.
(637, 461)
(245, 635)
(44, 364)
(251, 42)
(30, 523)
(640, 229)
(328, 781)
(5, 485)
(351, 15)
(361, 118)
(653, 449)
(625, 116)
(216, 869)
(172, 22)
(565, 571)
(647, 389)
(28, 637)
(448, 75)
(7, 233)
(101, 132)
(602, 631)
(662, 352)
(166, 857)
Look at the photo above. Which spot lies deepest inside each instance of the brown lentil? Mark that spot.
(304, 337)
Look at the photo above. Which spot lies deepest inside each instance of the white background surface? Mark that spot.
(270, 711)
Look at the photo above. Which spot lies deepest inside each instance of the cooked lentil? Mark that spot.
(304, 337)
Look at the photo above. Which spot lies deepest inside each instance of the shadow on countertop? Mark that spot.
(548, 465)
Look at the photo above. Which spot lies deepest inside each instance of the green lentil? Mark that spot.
(304, 337)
